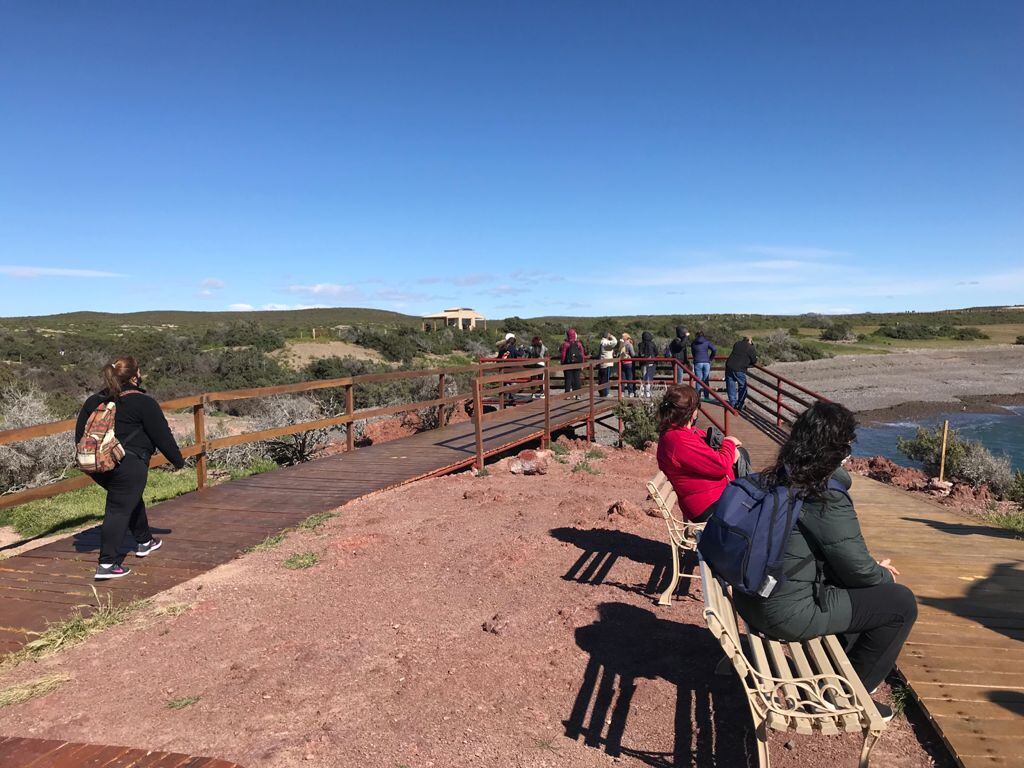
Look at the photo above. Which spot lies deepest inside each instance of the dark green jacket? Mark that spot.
(829, 530)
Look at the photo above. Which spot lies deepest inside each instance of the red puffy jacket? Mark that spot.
(698, 472)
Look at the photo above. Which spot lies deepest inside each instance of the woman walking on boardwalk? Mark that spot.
(833, 584)
(647, 352)
(141, 428)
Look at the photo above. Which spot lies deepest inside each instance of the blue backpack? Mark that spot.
(745, 539)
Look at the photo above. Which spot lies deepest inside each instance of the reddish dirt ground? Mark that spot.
(462, 621)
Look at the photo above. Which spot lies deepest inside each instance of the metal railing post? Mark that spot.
(441, 392)
(199, 427)
(478, 415)
(350, 427)
(778, 402)
(547, 404)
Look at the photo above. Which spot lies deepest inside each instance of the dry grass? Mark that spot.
(17, 694)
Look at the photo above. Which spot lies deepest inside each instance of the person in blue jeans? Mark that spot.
(703, 354)
(743, 356)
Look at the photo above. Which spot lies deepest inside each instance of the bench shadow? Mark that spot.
(1012, 701)
(628, 644)
(965, 529)
(994, 602)
(601, 549)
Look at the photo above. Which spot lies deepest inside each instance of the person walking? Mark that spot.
(703, 355)
(607, 355)
(141, 428)
(571, 353)
(833, 585)
(647, 352)
(679, 349)
(626, 352)
(537, 349)
(743, 356)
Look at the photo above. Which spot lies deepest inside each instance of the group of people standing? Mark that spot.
(639, 361)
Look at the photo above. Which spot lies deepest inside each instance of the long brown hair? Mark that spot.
(676, 407)
(118, 375)
(819, 441)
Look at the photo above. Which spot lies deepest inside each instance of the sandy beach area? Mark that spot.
(912, 383)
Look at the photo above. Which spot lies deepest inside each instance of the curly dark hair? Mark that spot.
(676, 407)
(817, 445)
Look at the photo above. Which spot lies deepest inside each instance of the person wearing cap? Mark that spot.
(508, 349)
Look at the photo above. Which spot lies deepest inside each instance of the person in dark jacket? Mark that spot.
(646, 352)
(141, 428)
(570, 353)
(703, 355)
(743, 356)
(834, 585)
(679, 349)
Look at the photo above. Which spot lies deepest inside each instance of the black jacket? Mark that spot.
(743, 356)
(679, 348)
(135, 411)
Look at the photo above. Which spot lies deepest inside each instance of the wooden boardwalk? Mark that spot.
(48, 753)
(207, 528)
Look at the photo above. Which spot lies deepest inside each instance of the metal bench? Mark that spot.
(808, 687)
(682, 535)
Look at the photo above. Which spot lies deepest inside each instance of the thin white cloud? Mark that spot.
(210, 286)
(793, 252)
(241, 307)
(33, 272)
(323, 289)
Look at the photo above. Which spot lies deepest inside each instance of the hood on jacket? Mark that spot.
(681, 331)
(647, 336)
(570, 335)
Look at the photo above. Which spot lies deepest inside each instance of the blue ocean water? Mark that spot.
(1001, 433)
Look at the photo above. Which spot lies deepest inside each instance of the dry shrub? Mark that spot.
(30, 463)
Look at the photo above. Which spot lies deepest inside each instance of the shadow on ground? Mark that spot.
(628, 644)
(602, 548)
(993, 602)
(965, 529)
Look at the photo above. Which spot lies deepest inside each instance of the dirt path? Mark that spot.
(495, 621)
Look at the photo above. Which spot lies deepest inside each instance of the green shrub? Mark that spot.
(840, 331)
(1020, 340)
(639, 422)
(781, 347)
(966, 460)
(302, 560)
(1016, 490)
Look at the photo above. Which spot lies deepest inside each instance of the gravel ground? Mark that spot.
(874, 382)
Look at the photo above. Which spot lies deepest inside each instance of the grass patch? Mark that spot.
(184, 701)
(76, 508)
(485, 472)
(16, 694)
(301, 560)
(559, 449)
(585, 466)
(256, 468)
(175, 609)
(1011, 521)
(75, 629)
(313, 522)
(594, 453)
(268, 543)
(901, 697)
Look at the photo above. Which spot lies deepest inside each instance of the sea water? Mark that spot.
(1001, 432)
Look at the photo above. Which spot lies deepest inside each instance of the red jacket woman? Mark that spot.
(698, 472)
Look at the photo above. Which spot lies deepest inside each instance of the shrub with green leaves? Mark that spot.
(966, 460)
(639, 422)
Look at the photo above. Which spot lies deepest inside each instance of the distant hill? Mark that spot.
(292, 318)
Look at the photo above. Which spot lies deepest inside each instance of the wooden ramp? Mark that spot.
(207, 528)
(47, 753)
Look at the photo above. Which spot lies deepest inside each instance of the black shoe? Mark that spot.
(111, 571)
(884, 710)
(150, 546)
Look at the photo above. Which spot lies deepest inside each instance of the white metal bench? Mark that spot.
(808, 687)
(682, 535)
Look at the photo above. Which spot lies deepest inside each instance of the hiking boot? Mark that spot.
(884, 710)
(144, 549)
(110, 571)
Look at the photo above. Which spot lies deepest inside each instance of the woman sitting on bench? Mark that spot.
(834, 586)
(698, 472)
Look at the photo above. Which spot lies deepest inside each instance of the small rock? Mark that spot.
(626, 509)
(789, 745)
(528, 462)
(496, 625)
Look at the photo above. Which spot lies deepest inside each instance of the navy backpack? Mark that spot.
(745, 539)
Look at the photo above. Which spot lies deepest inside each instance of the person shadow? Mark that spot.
(964, 529)
(88, 540)
(601, 550)
(993, 602)
(628, 644)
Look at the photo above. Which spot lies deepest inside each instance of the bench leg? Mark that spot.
(666, 596)
(870, 739)
(761, 735)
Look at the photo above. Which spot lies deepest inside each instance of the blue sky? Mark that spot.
(583, 158)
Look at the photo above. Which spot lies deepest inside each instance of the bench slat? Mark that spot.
(759, 660)
(845, 668)
(825, 667)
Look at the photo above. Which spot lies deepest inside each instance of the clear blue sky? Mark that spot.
(592, 158)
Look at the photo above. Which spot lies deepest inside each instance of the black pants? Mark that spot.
(125, 510)
(882, 618)
(572, 380)
(604, 375)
